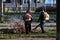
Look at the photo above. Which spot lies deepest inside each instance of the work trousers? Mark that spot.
(28, 27)
(41, 25)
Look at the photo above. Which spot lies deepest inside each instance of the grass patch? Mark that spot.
(9, 35)
(3, 25)
(52, 33)
(48, 34)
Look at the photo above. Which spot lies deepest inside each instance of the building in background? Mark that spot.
(10, 5)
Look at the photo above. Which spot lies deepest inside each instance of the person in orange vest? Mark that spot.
(42, 21)
(27, 19)
(46, 16)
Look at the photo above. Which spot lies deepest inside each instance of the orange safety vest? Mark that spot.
(46, 16)
(28, 16)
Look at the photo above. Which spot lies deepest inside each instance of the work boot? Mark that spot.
(43, 32)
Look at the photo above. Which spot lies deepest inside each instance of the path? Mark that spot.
(31, 39)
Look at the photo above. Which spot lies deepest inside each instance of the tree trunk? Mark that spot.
(28, 5)
(58, 20)
(53, 2)
(0, 9)
(36, 5)
(16, 5)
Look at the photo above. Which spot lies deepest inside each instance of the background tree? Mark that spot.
(16, 5)
(36, 5)
(0, 9)
(29, 5)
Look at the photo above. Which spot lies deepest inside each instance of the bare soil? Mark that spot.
(31, 39)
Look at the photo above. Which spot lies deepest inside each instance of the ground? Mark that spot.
(31, 39)
(39, 38)
(47, 29)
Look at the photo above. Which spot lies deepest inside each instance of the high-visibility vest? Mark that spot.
(46, 16)
(28, 17)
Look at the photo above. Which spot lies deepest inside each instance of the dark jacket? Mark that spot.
(41, 17)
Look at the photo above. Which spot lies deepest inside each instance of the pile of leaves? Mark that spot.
(16, 26)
